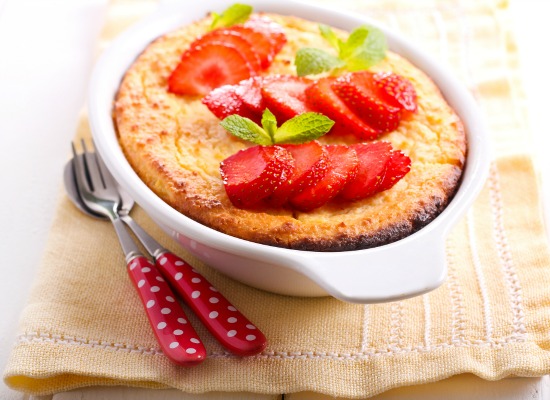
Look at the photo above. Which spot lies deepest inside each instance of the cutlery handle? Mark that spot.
(177, 338)
(231, 328)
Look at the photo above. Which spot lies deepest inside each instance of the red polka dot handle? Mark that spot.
(177, 338)
(231, 328)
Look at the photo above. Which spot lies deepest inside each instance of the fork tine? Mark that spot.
(108, 179)
(94, 173)
(79, 169)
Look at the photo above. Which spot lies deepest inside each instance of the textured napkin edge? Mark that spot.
(51, 376)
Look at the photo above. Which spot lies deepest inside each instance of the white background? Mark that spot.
(46, 56)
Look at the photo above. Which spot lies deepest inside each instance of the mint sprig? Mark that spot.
(300, 129)
(365, 47)
(235, 14)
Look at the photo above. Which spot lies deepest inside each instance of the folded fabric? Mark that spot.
(84, 324)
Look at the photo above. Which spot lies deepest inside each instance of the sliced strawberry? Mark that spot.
(343, 164)
(254, 173)
(360, 92)
(398, 166)
(250, 91)
(321, 97)
(261, 43)
(225, 101)
(397, 90)
(270, 28)
(234, 39)
(244, 99)
(373, 160)
(285, 96)
(310, 166)
(204, 68)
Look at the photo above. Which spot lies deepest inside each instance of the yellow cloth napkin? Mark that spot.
(84, 324)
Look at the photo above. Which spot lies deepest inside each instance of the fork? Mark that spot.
(176, 337)
(226, 323)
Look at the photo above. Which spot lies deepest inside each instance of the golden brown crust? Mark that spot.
(175, 145)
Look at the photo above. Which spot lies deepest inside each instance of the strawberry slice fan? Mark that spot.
(227, 56)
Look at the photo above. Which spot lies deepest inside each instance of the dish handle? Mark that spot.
(407, 268)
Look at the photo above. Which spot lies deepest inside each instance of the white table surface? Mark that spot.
(46, 52)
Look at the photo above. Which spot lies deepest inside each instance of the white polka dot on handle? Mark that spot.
(232, 320)
(165, 310)
(195, 294)
(212, 288)
(213, 314)
(155, 289)
(194, 340)
(160, 278)
(161, 325)
(182, 320)
(250, 337)
(170, 299)
(173, 345)
(163, 260)
(179, 263)
(150, 303)
(133, 265)
(250, 326)
(178, 332)
(196, 280)
(231, 333)
(141, 283)
(190, 350)
(146, 269)
(231, 308)
(178, 276)
(213, 300)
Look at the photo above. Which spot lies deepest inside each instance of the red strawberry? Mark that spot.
(254, 173)
(244, 99)
(310, 166)
(234, 39)
(343, 164)
(397, 90)
(373, 161)
(204, 68)
(398, 166)
(261, 43)
(360, 92)
(270, 28)
(320, 97)
(285, 96)
(250, 91)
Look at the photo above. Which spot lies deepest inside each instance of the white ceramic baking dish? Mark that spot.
(406, 268)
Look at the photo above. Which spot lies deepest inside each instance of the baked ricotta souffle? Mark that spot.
(176, 144)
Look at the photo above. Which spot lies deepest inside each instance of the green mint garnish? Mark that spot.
(330, 36)
(300, 129)
(310, 61)
(246, 129)
(235, 14)
(365, 47)
(303, 128)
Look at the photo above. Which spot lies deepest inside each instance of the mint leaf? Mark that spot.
(330, 36)
(269, 123)
(311, 61)
(300, 129)
(303, 128)
(365, 47)
(246, 129)
(235, 14)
